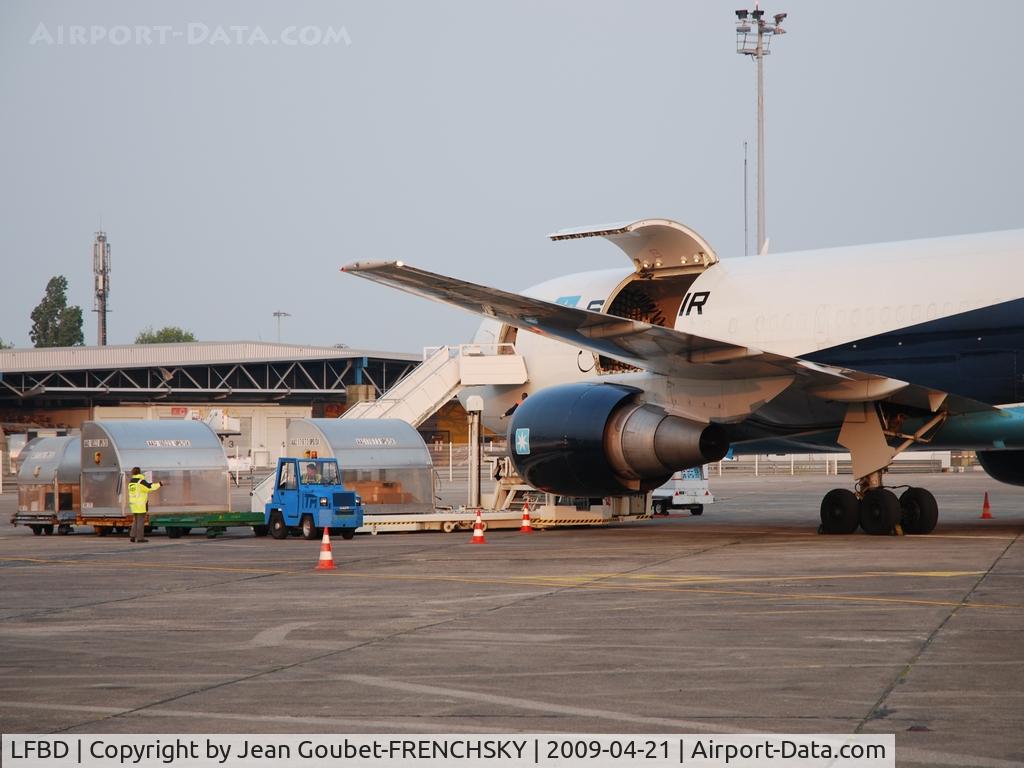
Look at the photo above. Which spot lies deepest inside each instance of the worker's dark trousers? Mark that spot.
(138, 527)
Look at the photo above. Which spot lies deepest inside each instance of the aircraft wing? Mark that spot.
(651, 347)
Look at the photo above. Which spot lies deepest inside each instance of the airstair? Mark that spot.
(442, 374)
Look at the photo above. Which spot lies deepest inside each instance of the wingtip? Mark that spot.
(364, 266)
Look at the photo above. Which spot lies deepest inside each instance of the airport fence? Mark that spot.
(451, 468)
(825, 464)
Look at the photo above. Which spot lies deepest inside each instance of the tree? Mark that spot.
(54, 323)
(5, 345)
(170, 334)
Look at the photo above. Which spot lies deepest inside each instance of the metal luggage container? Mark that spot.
(186, 457)
(385, 461)
(49, 484)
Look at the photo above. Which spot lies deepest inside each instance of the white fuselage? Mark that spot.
(792, 304)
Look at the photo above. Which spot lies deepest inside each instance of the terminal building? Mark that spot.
(262, 384)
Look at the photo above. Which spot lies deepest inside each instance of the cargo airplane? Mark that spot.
(874, 350)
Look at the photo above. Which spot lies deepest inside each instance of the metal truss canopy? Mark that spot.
(248, 381)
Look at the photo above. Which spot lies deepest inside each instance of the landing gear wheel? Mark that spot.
(879, 511)
(348, 533)
(261, 530)
(840, 512)
(277, 527)
(48, 530)
(920, 511)
(697, 510)
(308, 529)
(37, 530)
(174, 533)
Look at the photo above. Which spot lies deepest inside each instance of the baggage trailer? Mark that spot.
(49, 485)
(687, 489)
(185, 457)
(442, 520)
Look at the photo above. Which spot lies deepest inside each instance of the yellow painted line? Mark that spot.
(821, 577)
(535, 581)
(852, 598)
(149, 566)
(696, 579)
(932, 574)
(695, 590)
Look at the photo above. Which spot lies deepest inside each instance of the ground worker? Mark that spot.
(311, 477)
(515, 405)
(139, 489)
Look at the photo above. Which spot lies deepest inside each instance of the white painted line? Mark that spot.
(275, 636)
(296, 723)
(693, 726)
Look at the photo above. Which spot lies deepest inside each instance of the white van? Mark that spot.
(688, 489)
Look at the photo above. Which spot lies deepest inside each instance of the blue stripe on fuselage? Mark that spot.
(977, 354)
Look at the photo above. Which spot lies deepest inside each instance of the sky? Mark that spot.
(238, 153)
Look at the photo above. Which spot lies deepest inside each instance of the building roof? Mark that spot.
(168, 355)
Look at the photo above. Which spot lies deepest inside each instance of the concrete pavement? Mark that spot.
(741, 620)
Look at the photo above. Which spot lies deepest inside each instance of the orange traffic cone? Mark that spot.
(986, 509)
(326, 556)
(478, 530)
(526, 527)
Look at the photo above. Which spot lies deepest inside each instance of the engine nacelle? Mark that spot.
(591, 439)
(1004, 466)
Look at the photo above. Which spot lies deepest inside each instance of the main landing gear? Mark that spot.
(879, 512)
(872, 507)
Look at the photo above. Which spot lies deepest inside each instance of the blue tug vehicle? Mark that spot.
(308, 497)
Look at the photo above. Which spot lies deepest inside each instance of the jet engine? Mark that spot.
(591, 439)
(1004, 466)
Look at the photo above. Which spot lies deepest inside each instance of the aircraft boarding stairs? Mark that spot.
(442, 374)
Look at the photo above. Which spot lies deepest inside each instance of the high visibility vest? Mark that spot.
(137, 493)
